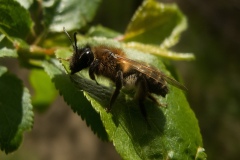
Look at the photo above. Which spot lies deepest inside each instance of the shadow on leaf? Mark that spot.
(126, 114)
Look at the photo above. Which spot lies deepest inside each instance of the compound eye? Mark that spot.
(88, 52)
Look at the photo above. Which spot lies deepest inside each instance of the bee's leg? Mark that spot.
(141, 93)
(119, 82)
(155, 100)
(92, 70)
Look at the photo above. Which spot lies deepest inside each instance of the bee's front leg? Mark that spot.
(92, 68)
(140, 96)
(119, 82)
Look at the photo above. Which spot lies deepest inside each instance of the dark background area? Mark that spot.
(213, 80)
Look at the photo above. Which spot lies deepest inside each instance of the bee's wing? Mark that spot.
(174, 83)
(151, 72)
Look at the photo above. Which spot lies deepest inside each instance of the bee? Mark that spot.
(113, 64)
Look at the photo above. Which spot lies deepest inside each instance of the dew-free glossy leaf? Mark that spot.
(156, 23)
(70, 14)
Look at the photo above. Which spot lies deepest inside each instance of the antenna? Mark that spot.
(75, 39)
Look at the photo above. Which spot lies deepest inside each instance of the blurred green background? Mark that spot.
(213, 80)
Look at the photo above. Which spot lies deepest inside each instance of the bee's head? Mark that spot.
(81, 58)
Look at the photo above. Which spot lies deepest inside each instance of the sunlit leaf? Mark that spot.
(159, 51)
(174, 132)
(5, 52)
(70, 14)
(100, 31)
(25, 3)
(156, 23)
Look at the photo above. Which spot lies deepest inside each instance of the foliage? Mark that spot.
(154, 28)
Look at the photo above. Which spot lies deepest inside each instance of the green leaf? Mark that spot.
(25, 3)
(5, 52)
(2, 37)
(70, 14)
(55, 39)
(14, 19)
(174, 132)
(16, 115)
(156, 23)
(159, 51)
(44, 89)
(74, 97)
(100, 31)
(201, 155)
